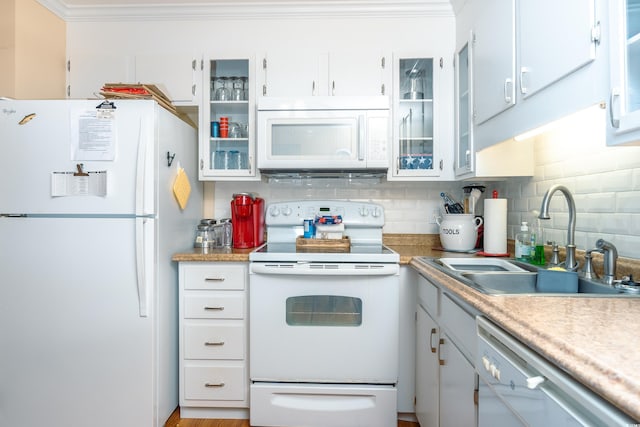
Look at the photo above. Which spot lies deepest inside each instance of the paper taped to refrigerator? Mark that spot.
(72, 184)
(93, 135)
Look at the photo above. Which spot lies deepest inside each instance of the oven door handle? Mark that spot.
(319, 269)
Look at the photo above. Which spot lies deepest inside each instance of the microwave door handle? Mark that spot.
(361, 132)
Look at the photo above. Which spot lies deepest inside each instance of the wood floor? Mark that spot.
(175, 421)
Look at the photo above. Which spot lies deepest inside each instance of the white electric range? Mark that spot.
(324, 324)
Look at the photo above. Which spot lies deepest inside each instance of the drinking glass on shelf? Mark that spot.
(237, 93)
(245, 88)
(234, 159)
(234, 130)
(220, 159)
(222, 91)
(243, 161)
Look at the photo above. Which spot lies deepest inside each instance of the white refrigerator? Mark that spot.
(89, 220)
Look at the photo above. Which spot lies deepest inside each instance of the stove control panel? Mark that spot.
(354, 214)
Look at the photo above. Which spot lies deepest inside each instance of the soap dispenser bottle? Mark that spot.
(523, 243)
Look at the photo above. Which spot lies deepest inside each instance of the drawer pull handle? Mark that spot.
(214, 279)
(220, 384)
(218, 308)
(440, 343)
(433, 332)
(212, 343)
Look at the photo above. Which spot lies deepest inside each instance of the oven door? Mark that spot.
(324, 323)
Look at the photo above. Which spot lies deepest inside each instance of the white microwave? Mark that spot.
(323, 133)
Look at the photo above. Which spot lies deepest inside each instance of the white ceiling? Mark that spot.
(199, 9)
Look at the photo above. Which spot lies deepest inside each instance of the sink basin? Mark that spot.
(484, 276)
(502, 283)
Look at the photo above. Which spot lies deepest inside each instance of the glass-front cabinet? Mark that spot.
(227, 141)
(464, 156)
(624, 106)
(415, 134)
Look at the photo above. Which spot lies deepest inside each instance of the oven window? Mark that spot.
(324, 310)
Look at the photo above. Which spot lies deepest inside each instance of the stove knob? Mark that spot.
(376, 212)
(274, 211)
(287, 211)
(363, 211)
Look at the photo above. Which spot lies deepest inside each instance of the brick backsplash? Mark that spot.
(605, 182)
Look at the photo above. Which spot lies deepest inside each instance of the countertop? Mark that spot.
(595, 340)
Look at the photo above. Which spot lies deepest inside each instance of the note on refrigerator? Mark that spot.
(93, 135)
(72, 184)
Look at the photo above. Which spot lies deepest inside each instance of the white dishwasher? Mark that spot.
(517, 387)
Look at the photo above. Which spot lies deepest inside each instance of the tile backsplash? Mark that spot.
(605, 182)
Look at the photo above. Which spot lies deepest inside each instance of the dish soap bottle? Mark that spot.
(523, 243)
(537, 245)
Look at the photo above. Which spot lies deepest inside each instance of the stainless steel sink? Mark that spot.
(520, 280)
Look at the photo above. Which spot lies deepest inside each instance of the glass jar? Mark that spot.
(226, 232)
(203, 236)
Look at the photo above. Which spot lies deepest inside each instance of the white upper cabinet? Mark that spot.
(422, 137)
(464, 152)
(624, 106)
(283, 73)
(227, 129)
(357, 72)
(556, 38)
(494, 59)
(534, 62)
(175, 74)
(87, 73)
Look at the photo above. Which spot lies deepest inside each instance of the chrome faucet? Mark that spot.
(570, 262)
(610, 257)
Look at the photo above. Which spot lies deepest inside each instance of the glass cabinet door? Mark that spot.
(464, 107)
(624, 108)
(227, 147)
(414, 134)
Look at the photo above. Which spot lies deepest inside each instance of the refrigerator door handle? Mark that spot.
(141, 172)
(141, 267)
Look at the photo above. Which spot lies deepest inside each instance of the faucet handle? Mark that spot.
(587, 271)
(555, 254)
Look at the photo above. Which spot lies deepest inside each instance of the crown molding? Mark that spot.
(248, 9)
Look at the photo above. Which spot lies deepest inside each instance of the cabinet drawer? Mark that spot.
(214, 276)
(428, 296)
(215, 306)
(214, 383)
(214, 341)
(461, 326)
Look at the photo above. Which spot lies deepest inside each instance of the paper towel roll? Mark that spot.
(495, 226)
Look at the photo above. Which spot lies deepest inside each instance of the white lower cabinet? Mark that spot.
(214, 373)
(446, 382)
